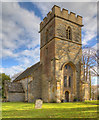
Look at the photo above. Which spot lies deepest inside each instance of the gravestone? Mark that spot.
(38, 104)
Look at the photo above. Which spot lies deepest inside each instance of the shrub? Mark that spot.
(62, 100)
(98, 97)
(4, 97)
(53, 101)
(40, 98)
(75, 99)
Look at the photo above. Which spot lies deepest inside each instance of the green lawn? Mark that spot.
(86, 109)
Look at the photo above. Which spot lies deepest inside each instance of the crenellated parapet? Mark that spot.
(56, 12)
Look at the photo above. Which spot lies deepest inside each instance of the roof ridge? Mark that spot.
(30, 68)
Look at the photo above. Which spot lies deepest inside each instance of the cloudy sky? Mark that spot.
(20, 26)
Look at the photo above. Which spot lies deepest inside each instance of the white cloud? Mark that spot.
(26, 59)
(19, 30)
(96, 46)
(12, 70)
(20, 27)
(29, 57)
(8, 53)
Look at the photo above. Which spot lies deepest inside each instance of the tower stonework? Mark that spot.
(60, 55)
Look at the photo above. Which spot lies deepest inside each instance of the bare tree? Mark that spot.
(90, 59)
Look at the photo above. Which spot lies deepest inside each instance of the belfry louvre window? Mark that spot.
(65, 81)
(69, 33)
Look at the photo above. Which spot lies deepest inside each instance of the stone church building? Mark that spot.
(59, 74)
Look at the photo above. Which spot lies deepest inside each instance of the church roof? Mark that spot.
(27, 72)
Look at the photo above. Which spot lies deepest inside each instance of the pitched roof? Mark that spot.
(27, 72)
(15, 87)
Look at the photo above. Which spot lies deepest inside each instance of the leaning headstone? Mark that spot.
(38, 104)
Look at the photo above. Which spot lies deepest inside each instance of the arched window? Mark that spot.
(68, 75)
(69, 33)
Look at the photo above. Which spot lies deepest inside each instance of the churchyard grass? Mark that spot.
(86, 109)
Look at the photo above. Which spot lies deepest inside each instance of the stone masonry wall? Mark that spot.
(47, 53)
(35, 90)
(25, 82)
(14, 92)
(67, 51)
(16, 97)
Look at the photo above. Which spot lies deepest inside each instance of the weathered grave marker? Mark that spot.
(38, 104)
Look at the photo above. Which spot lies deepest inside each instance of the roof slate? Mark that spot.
(27, 72)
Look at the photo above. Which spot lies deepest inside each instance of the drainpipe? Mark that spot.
(27, 89)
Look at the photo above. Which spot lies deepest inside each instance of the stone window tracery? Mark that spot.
(68, 75)
(65, 81)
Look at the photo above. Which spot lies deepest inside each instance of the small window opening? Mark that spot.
(66, 66)
(46, 51)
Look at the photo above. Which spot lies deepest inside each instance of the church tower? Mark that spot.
(60, 55)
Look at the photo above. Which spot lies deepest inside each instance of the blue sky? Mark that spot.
(20, 27)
